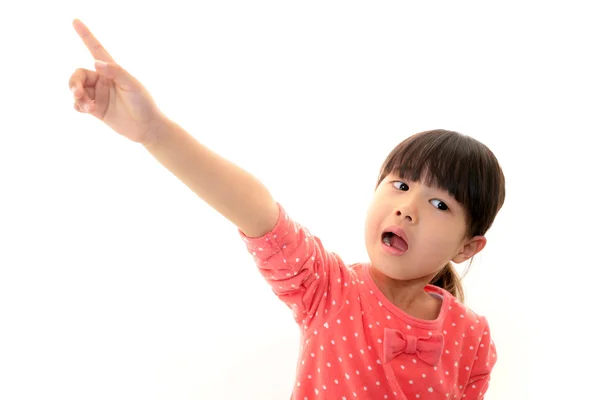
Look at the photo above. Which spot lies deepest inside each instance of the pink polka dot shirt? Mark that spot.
(355, 343)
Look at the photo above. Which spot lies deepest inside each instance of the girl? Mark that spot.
(392, 328)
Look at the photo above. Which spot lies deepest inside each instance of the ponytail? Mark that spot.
(449, 280)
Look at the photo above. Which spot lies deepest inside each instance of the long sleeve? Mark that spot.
(300, 271)
(485, 360)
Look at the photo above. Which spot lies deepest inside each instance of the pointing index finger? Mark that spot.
(93, 45)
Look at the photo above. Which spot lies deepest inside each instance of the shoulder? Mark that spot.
(461, 316)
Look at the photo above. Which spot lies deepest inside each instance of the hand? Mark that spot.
(112, 95)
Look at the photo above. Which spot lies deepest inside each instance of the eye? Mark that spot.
(441, 205)
(400, 185)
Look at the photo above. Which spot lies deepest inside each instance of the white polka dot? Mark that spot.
(309, 377)
(411, 382)
(430, 390)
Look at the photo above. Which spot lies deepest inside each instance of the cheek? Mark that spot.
(440, 245)
(372, 225)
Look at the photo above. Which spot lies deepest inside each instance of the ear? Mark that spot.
(469, 249)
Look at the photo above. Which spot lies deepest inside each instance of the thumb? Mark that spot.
(115, 72)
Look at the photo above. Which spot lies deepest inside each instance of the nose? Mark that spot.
(406, 215)
(407, 210)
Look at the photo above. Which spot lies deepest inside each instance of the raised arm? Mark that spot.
(229, 189)
(119, 100)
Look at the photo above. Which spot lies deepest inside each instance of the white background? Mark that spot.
(117, 282)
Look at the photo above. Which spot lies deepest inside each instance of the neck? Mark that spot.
(406, 295)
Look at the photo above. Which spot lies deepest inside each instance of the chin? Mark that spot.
(395, 270)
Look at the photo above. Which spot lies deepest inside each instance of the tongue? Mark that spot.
(398, 243)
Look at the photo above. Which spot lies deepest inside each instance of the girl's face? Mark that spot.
(434, 225)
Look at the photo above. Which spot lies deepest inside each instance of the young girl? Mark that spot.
(392, 328)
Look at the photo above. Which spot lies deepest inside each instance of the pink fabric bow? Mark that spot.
(429, 349)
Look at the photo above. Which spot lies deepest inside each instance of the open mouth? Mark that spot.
(393, 240)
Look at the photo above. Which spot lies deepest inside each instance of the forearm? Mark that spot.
(230, 190)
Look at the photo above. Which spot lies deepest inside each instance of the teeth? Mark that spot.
(386, 240)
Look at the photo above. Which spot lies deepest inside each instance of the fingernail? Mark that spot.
(87, 108)
(100, 64)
